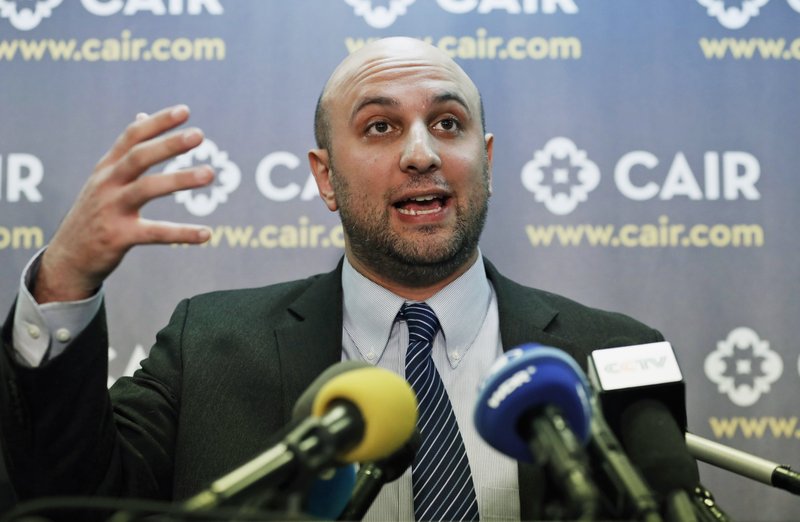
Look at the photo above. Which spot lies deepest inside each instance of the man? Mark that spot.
(403, 157)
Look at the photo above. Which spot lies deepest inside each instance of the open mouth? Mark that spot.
(421, 205)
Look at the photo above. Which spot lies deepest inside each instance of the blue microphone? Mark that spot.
(328, 495)
(535, 407)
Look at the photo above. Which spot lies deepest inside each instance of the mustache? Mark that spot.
(428, 181)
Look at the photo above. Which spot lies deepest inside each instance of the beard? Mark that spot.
(418, 261)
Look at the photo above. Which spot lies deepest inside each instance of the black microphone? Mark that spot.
(372, 476)
(631, 372)
(364, 413)
(655, 443)
(624, 491)
(642, 393)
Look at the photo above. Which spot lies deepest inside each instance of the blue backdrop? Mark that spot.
(645, 161)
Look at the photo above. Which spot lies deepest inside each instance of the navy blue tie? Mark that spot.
(441, 479)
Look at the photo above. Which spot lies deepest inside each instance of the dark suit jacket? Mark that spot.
(222, 377)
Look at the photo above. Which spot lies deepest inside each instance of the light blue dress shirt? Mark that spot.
(463, 351)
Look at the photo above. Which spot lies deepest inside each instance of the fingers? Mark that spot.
(144, 155)
(148, 188)
(144, 128)
(165, 232)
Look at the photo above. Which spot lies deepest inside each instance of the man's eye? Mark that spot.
(448, 124)
(379, 127)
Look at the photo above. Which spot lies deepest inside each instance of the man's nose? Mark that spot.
(419, 153)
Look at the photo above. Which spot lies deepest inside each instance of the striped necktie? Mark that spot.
(441, 479)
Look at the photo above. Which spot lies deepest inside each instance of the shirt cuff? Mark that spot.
(41, 332)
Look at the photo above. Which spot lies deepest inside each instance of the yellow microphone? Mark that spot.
(352, 412)
(386, 403)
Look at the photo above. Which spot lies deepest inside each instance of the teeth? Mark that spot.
(423, 198)
(410, 212)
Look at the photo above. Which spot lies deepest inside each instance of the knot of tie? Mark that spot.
(422, 322)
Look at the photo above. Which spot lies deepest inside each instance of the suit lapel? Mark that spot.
(311, 339)
(526, 315)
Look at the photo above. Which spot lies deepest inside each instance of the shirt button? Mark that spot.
(34, 331)
(456, 356)
(371, 355)
(63, 335)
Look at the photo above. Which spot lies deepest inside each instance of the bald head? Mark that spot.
(398, 53)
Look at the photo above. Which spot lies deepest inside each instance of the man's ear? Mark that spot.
(319, 160)
(489, 140)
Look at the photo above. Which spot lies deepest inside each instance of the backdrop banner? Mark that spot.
(644, 154)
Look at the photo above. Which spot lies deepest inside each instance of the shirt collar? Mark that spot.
(370, 311)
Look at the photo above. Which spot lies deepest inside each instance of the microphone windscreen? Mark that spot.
(387, 405)
(330, 492)
(303, 406)
(656, 445)
(522, 381)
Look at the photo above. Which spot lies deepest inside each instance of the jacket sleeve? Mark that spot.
(65, 433)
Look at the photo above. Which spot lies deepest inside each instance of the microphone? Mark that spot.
(372, 476)
(744, 464)
(623, 376)
(622, 486)
(655, 443)
(357, 413)
(329, 493)
(534, 406)
(642, 393)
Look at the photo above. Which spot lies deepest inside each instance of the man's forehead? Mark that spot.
(395, 58)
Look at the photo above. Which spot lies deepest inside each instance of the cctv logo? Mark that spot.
(27, 17)
(743, 366)
(202, 203)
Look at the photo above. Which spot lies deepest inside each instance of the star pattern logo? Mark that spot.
(26, 17)
(743, 366)
(201, 202)
(560, 176)
(379, 16)
(734, 16)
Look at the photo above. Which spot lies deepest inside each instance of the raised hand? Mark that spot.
(105, 221)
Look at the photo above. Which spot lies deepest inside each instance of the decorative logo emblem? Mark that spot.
(27, 17)
(197, 201)
(743, 366)
(560, 176)
(379, 17)
(733, 17)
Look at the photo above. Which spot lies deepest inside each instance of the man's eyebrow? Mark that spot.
(388, 101)
(374, 100)
(450, 96)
